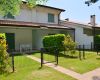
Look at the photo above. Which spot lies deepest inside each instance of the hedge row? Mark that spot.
(54, 41)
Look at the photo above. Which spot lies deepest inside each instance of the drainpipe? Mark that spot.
(92, 21)
(59, 18)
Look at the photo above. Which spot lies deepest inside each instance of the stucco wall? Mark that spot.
(22, 36)
(37, 14)
(39, 36)
(80, 37)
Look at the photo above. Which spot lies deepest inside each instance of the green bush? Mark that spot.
(3, 54)
(97, 39)
(69, 44)
(97, 42)
(53, 41)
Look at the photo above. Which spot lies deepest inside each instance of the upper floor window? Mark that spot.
(50, 17)
(9, 16)
(87, 31)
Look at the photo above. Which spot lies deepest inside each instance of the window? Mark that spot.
(50, 17)
(51, 34)
(88, 31)
(9, 16)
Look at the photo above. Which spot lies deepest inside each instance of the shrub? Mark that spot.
(97, 39)
(54, 41)
(97, 42)
(3, 54)
(69, 44)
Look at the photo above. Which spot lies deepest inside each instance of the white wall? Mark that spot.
(22, 36)
(80, 37)
(37, 14)
(39, 33)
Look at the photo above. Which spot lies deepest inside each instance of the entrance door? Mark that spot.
(10, 37)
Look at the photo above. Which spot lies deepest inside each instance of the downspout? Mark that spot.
(59, 18)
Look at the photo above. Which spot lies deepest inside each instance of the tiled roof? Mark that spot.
(31, 24)
(46, 6)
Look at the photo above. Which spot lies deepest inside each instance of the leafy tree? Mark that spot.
(89, 2)
(69, 44)
(3, 54)
(13, 6)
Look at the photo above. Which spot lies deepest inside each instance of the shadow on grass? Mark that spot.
(68, 56)
(60, 55)
(6, 73)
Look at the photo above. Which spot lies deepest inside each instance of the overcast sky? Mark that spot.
(76, 10)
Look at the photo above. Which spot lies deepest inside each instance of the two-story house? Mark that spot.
(29, 27)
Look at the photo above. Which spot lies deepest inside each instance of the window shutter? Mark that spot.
(50, 17)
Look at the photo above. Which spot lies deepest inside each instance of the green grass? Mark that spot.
(27, 69)
(91, 62)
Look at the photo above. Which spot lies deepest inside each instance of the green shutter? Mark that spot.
(9, 16)
(10, 37)
(50, 17)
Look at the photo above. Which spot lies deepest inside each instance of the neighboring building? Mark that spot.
(84, 33)
(28, 28)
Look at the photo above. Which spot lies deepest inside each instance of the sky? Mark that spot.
(77, 10)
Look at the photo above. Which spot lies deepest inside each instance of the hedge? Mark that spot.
(97, 42)
(97, 39)
(54, 41)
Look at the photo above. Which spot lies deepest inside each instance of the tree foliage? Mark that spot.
(89, 2)
(13, 6)
(3, 54)
(69, 44)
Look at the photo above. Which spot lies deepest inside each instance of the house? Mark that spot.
(28, 28)
(84, 32)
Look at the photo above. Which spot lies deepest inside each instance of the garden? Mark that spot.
(68, 57)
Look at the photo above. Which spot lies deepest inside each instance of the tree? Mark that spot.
(13, 6)
(3, 54)
(89, 2)
(69, 44)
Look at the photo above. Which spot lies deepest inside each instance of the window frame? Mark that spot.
(9, 16)
(51, 18)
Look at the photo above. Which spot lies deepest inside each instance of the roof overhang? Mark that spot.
(18, 24)
(47, 6)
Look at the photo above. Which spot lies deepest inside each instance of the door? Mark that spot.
(10, 37)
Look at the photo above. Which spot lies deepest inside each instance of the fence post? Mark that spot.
(41, 57)
(80, 52)
(56, 52)
(91, 46)
(83, 51)
(13, 62)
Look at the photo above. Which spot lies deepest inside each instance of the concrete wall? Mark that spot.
(22, 36)
(36, 14)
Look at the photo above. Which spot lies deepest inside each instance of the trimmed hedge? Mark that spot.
(97, 42)
(54, 41)
(97, 39)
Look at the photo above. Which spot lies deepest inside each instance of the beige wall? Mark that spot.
(22, 36)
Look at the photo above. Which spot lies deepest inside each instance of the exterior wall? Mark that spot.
(39, 33)
(22, 36)
(80, 37)
(32, 37)
(37, 14)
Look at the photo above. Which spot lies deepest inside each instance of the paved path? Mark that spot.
(92, 75)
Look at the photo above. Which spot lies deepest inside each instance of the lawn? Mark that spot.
(91, 62)
(27, 69)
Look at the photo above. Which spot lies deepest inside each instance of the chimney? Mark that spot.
(67, 19)
(92, 20)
